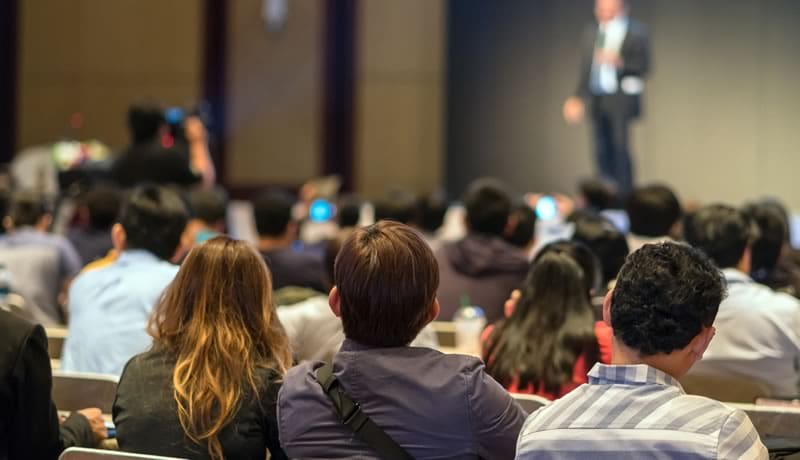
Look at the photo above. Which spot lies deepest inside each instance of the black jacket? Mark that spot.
(29, 427)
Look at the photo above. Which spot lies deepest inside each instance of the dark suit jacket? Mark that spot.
(29, 427)
(635, 53)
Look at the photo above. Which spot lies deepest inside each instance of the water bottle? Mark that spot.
(469, 323)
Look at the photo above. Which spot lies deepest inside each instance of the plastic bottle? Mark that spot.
(470, 320)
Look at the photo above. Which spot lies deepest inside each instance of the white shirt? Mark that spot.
(315, 333)
(757, 336)
(606, 76)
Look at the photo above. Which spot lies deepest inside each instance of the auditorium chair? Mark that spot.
(773, 421)
(530, 403)
(80, 453)
(55, 341)
(728, 388)
(76, 390)
(445, 333)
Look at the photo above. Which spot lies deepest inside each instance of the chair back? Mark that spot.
(727, 388)
(445, 333)
(773, 421)
(77, 390)
(55, 341)
(530, 403)
(80, 453)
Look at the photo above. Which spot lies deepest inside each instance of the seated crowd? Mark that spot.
(227, 348)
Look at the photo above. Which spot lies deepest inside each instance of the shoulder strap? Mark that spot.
(353, 417)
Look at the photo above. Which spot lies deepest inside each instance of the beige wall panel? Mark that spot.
(399, 96)
(274, 95)
(97, 57)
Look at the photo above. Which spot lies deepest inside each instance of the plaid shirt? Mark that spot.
(637, 412)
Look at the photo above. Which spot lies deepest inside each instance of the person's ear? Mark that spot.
(8, 223)
(335, 302)
(700, 343)
(607, 308)
(433, 313)
(118, 237)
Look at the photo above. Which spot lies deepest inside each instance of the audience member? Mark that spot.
(481, 269)
(110, 306)
(550, 339)
(756, 328)
(654, 213)
(29, 422)
(41, 263)
(770, 265)
(208, 208)
(348, 215)
(96, 214)
(521, 229)
(276, 233)
(148, 160)
(209, 386)
(597, 194)
(606, 241)
(315, 333)
(429, 218)
(385, 293)
(662, 313)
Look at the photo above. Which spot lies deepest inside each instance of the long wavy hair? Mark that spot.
(552, 324)
(218, 321)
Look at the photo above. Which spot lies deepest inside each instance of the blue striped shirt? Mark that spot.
(637, 412)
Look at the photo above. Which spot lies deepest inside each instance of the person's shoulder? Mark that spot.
(14, 330)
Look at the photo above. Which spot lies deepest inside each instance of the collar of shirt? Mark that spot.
(352, 345)
(137, 256)
(637, 374)
(734, 276)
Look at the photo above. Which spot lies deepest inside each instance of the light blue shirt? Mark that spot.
(109, 309)
(604, 76)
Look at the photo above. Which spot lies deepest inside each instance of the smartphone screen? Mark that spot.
(546, 208)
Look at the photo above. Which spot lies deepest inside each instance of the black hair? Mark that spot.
(348, 211)
(488, 206)
(551, 326)
(599, 194)
(27, 208)
(772, 235)
(605, 240)
(144, 122)
(209, 204)
(653, 210)
(665, 295)
(154, 218)
(273, 212)
(524, 226)
(431, 210)
(399, 206)
(721, 231)
(103, 201)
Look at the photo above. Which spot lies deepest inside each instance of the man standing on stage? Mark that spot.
(615, 61)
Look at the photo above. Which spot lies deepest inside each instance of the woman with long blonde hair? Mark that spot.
(208, 387)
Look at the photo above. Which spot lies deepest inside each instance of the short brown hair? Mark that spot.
(387, 279)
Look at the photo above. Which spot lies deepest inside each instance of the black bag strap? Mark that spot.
(353, 417)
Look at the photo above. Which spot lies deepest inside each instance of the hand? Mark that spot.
(195, 130)
(574, 110)
(96, 422)
(511, 302)
(608, 57)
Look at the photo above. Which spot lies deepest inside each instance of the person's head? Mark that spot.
(488, 206)
(209, 205)
(723, 233)
(551, 325)
(348, 211)
(607, 10)
(386, 279)
(605, 240)
(663, 306)
(28, 208)
(152, 218)
(399, 206)
(765, 249)
(431, 210)
(145, 122)
(273, 215)
(217, 320)
(102, 205)
(653, 210)
(521, 226)
(597, 194)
